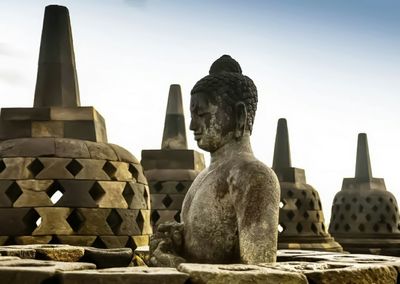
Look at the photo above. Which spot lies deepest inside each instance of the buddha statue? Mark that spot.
(230, 213)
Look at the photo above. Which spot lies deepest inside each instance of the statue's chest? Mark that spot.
(210, 197)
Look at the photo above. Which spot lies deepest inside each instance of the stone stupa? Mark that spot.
(301, 219)
(171, 170)
(365, 216)
(60, 181)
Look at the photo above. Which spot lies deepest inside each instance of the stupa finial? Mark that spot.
(282, 158)
(363, 164)
(56, 83)
(174, 136)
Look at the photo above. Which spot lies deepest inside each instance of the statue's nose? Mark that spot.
(193, 125)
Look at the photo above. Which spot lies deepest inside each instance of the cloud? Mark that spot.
(136, 3)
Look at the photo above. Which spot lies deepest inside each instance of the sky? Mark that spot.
(331, 68)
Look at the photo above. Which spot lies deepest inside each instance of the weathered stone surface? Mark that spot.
(143, 275)
(105, 258)
(365, 216)
(53, 252)
(230, 213)
(35, 271)
(239, 273)
(22, 252)
(301, 218)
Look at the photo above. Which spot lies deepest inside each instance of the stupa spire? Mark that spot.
(174, 136)
(363, 163)
(282, 158)
(56, 83)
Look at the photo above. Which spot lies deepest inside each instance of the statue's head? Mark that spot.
(223, 105)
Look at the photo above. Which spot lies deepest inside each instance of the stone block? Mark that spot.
(34, 193)
(239, 273)
(92, 169)
(71, 148)
(72, 113)
(112, 194)
(172, 159)
(143, 275)
(36, 271)
(77, 240)
(29, 240)
(124, 155)
(90, 221)
(15, 129)
(52, 168)
(27, 147)
(106, 258)
(168, 174)
(16, 168)
(47, 129)
(161, 216)
(80, 129)
(75, 193)
(122, 172)
(53, 221)
(110, 241)
(101, 151)
(17, 221)
(38, 114)
(22, 252)
(136, 195)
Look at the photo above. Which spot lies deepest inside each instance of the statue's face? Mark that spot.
(212, 122)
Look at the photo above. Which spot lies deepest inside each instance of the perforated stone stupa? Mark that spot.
(301, 218)
(58, 150)
(171, 170)
(365, 216)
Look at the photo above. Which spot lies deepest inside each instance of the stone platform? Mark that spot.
(73, 264)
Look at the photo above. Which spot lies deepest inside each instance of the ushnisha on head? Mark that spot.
(223, 105)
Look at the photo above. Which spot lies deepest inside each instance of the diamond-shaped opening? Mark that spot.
(158, 186)
(128, 193)
(13, 192)
(140, 221)
(298, 203)
(180, 187)
(177, 216)
(145, 195)
(76, 220)
(299, 227)
(336, 227)
(354, 200)
(368, 199)
(98, 243)
(361, 227)
(376, 227)
(281, 228)
(354, 217)
(74, 167)
(375, 208)
(2, 166)
(305, 215)
(131, 244)
(347, 207)
(167, 201)
(35, 167)
(133, 170)
(110, 170)
(55, 192)
(368, 217)
(290, 193)
(382, 218)
(54, 240)
(96, 192)
(314, 228)
(380, 199)
(360, 208)
(347, 227)
(30, 220)
(290, 215)
(114, 220)
(311, 204)
(341, 217)
(154, 217)
(387, 208)
(389, 228)
(282, 204)
(304, 193)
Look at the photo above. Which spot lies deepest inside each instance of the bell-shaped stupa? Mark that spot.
(301, 219)
(171, 170)
(365, 216)
(60, 181)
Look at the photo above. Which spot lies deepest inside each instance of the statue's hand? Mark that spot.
(166, 245)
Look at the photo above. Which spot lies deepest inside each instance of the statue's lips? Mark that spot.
(197, 136)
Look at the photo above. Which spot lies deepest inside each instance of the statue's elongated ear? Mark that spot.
(241, 119)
